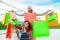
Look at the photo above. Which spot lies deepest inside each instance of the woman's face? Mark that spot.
(26, 24)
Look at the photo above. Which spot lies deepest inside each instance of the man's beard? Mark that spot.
(30, 11)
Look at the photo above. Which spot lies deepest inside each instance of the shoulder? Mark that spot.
(34, 12)
(30, 28)
(25, 12)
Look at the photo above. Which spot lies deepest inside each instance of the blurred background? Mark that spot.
(39, 6)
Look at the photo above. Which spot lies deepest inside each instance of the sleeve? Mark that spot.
(29, 29)
(18, 27)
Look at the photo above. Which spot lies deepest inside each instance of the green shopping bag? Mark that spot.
(52, 17)
(15, 21)
(40, 28)
(7, 17)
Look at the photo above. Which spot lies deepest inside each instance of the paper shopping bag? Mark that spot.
(7, 17)
(15, 21)
(13, 15)
(8, 34)
(52, 17)
(54, 23)
(4, 19)
(40, 28)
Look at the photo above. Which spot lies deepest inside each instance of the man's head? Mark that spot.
(12, 11)
(30, 9)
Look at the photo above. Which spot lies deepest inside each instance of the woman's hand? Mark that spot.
(24, 30)
(23, 27)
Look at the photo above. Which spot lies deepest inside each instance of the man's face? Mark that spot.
(29, 10)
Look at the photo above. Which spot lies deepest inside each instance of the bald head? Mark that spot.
(29, 7)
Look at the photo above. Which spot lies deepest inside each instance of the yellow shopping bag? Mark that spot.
(4, 19)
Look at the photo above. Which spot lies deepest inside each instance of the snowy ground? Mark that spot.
(54, 35)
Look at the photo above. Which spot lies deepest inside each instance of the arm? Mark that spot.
(42, 14)
(18, 27)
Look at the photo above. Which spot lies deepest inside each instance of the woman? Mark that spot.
(28, 28)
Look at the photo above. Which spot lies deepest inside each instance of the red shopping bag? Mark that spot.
(30, 16)
(8, 34)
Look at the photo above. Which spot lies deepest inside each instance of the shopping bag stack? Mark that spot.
(53, 22)
(10, 15)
